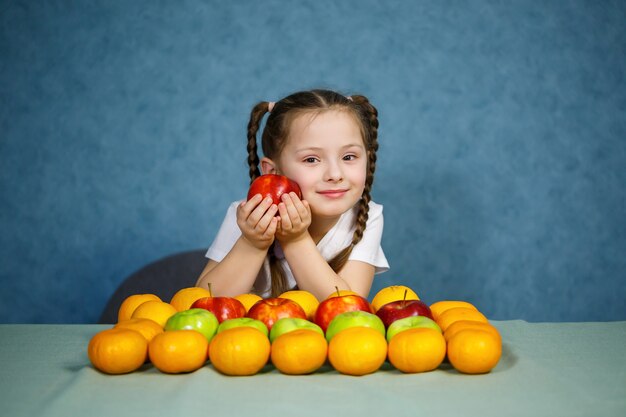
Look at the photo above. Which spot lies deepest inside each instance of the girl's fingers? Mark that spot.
(290, 205)
(303, 207)
(246, 209)
(259, 211)
(248, 206)
(285, 220)
(267, 218)
(271, 229)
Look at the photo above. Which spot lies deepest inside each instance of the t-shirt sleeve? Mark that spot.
(227, 235)
(369, 249)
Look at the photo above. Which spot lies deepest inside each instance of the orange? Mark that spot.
(417, 350)
(239, 351)
(440, 306)
(392, 293)
(341, 292)
(305, 299)
(158, 311)
(147, 327)
(357, 351)
(184, 298)
(117, 351)
(459, 325)
(474, 351)
(459, 313)
(299, 352)
(129, 305)
(248, 300)
(178, 351)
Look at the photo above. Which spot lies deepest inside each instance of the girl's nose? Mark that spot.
(333, 173)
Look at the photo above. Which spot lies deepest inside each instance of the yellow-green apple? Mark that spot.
(289, 324)
(354, 319)
(197, 319)
(411, 322)
(270, 310)
(224, 308)
(330, 307)
(400, 309)
(243, 321)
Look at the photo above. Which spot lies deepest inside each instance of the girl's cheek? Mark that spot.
(306, 194)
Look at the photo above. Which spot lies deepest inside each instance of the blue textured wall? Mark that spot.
(502, 165)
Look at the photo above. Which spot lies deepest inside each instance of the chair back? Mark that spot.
(163, 278)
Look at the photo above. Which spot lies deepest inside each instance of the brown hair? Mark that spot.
(274, 138)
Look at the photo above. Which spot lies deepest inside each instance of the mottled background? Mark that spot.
(502, 163)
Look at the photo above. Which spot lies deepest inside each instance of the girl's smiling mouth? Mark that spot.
(333, 193)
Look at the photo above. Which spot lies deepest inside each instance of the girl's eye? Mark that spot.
(349, 157)
(310, 160)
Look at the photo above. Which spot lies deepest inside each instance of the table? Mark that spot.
(547, 369)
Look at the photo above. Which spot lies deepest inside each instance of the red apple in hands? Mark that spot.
(224, 308)
(400, 309)
(274, 186)
(330, 307)
(270, 310)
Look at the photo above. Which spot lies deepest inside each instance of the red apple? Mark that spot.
(224, 308)
(270, 310)
(330, 307)
(274, 186)
(400, 309)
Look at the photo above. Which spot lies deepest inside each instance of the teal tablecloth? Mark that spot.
(547, 369)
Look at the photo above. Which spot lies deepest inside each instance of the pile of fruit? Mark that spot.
(296, 334)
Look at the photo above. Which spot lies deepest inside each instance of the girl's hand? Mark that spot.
(256, 220)
(295, 218)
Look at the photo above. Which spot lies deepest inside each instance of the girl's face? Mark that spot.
(326, 156)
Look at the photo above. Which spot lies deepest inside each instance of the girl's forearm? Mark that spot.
(236, 273)
(310, 269)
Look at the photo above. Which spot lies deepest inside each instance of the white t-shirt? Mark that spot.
(368, 250)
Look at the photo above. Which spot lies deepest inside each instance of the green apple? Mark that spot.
(198, 319)
(289, 324)
(243, 321)
(411, 322)
(354, 319)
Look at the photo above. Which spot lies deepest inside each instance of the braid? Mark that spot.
(372, 120)
(253, 127)
(278, 277)
(371, 139)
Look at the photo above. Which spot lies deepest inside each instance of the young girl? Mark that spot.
(327, 143)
